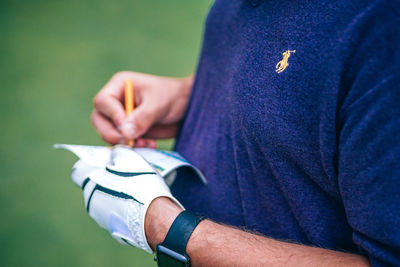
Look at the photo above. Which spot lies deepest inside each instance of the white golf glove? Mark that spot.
(117, 195)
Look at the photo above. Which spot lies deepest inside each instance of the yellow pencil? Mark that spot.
(129, 102)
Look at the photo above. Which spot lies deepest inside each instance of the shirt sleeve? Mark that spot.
(369, 145)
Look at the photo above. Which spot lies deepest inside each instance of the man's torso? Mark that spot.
(263, 125)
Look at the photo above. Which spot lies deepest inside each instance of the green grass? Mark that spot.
(54, 57)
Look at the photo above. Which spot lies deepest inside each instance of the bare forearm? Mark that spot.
(213, 244)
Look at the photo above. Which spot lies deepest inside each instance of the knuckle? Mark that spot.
(121, 75)
(98, 101)
(105, 137)
(111, 139)
(93, 118)
(116, 76)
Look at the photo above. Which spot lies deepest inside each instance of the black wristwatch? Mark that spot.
(172, 251)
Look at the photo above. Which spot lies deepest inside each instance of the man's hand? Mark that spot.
(118, 195)
(160, 104)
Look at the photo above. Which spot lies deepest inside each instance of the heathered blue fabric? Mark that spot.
(309, 155)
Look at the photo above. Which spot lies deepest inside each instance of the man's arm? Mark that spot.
(212, 244)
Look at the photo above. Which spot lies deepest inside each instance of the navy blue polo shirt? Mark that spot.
(294, 119)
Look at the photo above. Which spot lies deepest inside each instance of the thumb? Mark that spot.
(138, 123)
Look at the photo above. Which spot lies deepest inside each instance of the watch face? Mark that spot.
(170, 258)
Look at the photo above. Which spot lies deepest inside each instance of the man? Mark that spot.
(293, 116)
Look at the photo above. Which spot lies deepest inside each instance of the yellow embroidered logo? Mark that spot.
(282, 65)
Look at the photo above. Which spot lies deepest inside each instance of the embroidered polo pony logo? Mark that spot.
(283, 64)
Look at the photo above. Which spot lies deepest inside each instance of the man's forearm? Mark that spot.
(212, 244)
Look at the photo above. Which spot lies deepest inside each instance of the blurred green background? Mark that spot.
(54, 57)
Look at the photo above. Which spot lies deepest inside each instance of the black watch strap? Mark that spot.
(180, 232)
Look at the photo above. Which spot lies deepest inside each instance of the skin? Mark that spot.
(213, 244)
(160, 105)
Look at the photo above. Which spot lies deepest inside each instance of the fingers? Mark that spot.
(153, 98)
(139, 122)
(105, 128)
(110, 106)
(110, 98)
(142, 123)
(144, 142)
(111, 135)
(109, 102)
